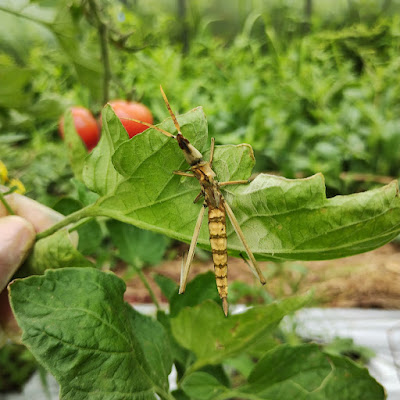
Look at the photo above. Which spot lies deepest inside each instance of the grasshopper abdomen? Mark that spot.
(218, 242)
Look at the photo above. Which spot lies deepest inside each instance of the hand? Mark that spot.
(17, 236)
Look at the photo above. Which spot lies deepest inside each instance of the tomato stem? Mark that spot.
(79, 224)
(102, 30)
(145, 282)
(69, 219)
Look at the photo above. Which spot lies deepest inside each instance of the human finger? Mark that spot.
(40, 216)
(17, 236)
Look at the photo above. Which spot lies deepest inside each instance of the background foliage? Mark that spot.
(308, 96)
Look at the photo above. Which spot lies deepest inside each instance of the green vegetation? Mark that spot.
(114, 352)
(326, 101)
(16, 365)
(310, 90)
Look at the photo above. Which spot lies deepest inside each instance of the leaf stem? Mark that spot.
(233, 394)
(145, 282)
(6, 205)
(69, 219)
(163, 394)
(102, 30)
(79, 224)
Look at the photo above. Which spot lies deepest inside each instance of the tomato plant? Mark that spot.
(85, 124)
(132, 181)
(126, 110)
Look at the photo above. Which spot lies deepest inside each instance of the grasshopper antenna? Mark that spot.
(171, 113)
(192, 155)
(151, 126)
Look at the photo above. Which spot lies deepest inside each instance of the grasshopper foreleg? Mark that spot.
(212, 151)
(186, 267)
(184, 173)
(239, 232)
(198, 197)
(232, 183)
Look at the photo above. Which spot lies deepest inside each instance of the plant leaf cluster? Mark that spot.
(281, 218)
(76, 324)
(323, 102)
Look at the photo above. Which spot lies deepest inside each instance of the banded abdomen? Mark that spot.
(217, 229)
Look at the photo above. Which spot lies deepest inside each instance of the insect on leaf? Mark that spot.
(280, 218)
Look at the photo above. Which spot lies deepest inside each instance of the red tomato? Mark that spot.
(126, 110)
(85, 125)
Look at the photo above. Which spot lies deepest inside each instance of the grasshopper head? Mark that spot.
(192, 155)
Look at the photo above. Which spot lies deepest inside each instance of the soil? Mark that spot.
(369, 280)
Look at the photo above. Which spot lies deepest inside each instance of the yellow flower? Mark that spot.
(20, 188)
(3, 173)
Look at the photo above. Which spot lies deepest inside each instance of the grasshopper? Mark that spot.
(217, 210)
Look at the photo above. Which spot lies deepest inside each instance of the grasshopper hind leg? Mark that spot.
(252, 261)
(186, 266)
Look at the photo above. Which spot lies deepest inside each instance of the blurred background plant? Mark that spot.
(312, 86)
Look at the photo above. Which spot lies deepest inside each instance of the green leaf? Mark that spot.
(90, 235)
(199, 289)
(300, 223)
(85, 196)
(75, 147)
(213, 337)
(137, 246)
(153, 340)
(179, 394)
(181, 357)
(292, 372)
(48, 107)
(77, 325)
(280, 218)
(203, 386)
(167, 285)
(346, 347)
(55, 251)
(306, 373)
(14, 80)
(149, 189)
(99, 174)
(244, 363)
(87, 64)
(59, 22)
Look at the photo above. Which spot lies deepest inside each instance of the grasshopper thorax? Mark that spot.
(209, 184)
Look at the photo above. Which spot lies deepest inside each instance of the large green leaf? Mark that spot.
(213, 337)
(281, 218)
(77, 325)
(137, 246)
(293, 372)
(306, 373)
